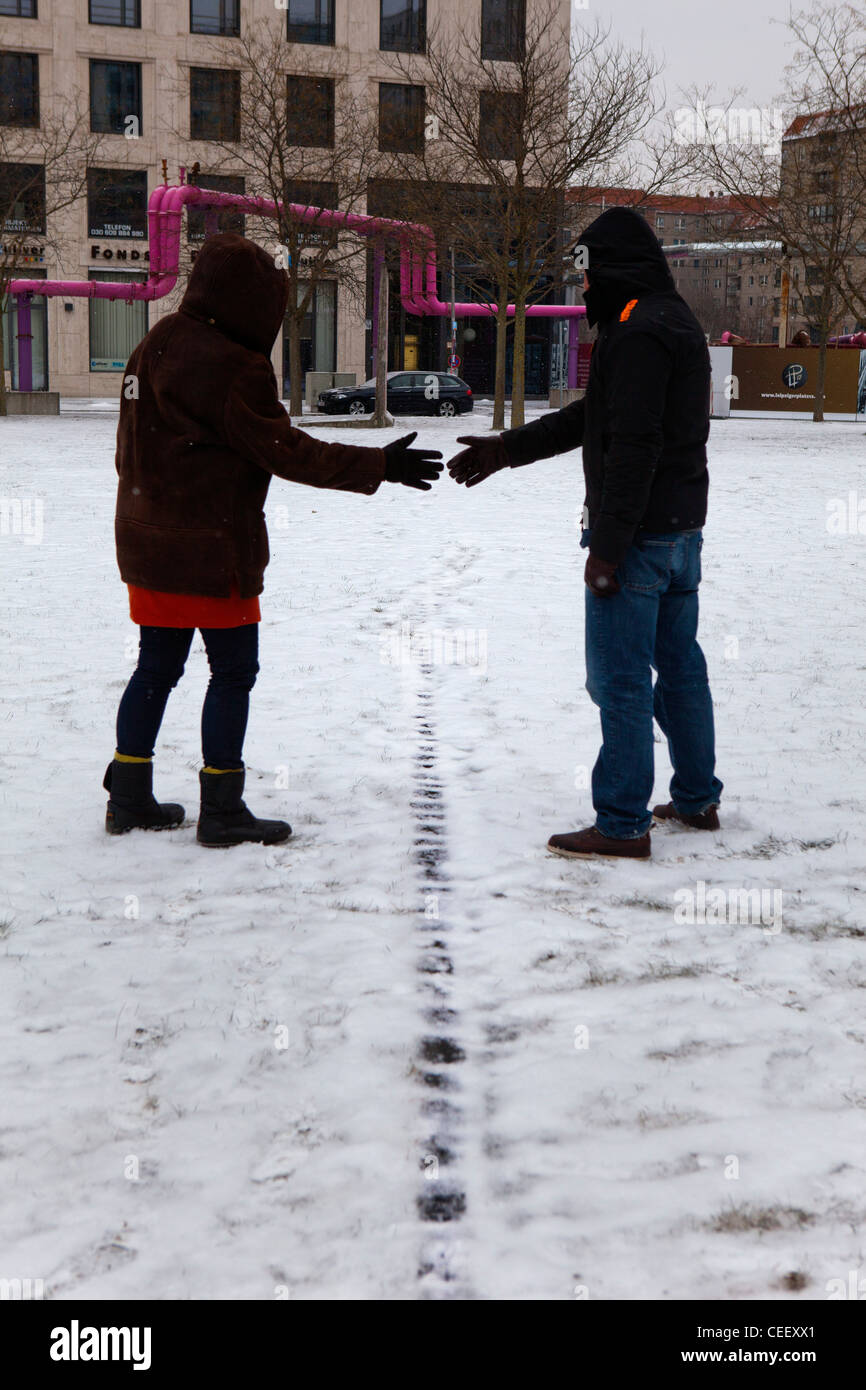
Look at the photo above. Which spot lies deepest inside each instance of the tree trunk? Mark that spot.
(3, 407)
(518, 369)
(820, 384)
(382, 349)
(296, 384)
(499, 369)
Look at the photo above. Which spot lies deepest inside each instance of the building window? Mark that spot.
(126, 13)
(401, 118)
(117, 203)
(19, 89)
(717, 284)
(660, 221)
(117, 326)
(500, 126)
(215, 17)
(680, 224)
(310, 21)
(115, 97)
(22, 197)
(318, 331)
(403, 25)
(227, 220)
(503, 30)
(310, 111)
(214, 104)
(311, 193)
(18, 9)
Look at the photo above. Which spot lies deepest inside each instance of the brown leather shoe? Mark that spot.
(705, 820)
(591, 844)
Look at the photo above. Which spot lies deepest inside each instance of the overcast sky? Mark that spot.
(730, 44)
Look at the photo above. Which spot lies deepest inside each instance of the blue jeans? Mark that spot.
(651, 623)
(232, 653)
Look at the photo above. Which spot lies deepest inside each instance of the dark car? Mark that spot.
(409, 393)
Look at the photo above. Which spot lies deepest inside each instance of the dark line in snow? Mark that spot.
(439, 1054)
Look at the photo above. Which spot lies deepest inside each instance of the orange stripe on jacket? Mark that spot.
(627, 310)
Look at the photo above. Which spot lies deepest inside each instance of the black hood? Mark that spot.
(235, 285)
(624, 260)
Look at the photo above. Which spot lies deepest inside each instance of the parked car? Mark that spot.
(408, 393)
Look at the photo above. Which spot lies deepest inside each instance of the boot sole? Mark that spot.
(126, 829)
(232, 844)
(595, 854)
(684, 825)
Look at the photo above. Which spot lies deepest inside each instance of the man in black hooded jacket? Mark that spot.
(643, 424)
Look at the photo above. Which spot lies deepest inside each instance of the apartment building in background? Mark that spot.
(150, 79)
(723, 262)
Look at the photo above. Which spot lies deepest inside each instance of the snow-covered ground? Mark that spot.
(228, 1076)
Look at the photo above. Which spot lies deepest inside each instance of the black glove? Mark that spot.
(486, 454)
(600, 576)
(411, 466)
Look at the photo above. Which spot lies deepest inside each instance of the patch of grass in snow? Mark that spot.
(688, 1049)
(672, 970)
(669, 1118)
(771, 846)
(821, 930)
(596, 977)
(636, 900)
(746, 1217)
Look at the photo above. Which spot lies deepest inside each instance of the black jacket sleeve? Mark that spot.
(636, 374)
(553, 433)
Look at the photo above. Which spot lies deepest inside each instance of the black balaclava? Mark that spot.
(624, 260)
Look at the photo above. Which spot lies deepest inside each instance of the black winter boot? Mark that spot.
(224, 819)
(131, 802)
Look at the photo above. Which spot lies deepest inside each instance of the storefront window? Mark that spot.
(318, 332)
(116, 325)
(38, 329)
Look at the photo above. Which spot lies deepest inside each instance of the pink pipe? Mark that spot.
(164, 216)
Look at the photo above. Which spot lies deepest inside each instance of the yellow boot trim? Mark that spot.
(222, 769)
(128, 758)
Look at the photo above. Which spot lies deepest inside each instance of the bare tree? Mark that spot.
(807, 187)
(304, 139)
(501, 143)
(44, 158)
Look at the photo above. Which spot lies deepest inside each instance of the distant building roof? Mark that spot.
(845, 118)
(662, 202)
(749, 247)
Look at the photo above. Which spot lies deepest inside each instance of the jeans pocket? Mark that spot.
(646, 566)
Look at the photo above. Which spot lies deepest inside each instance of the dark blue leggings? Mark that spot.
(233, 656)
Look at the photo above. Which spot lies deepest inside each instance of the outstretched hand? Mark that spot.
(411, 466)
(484, 455)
